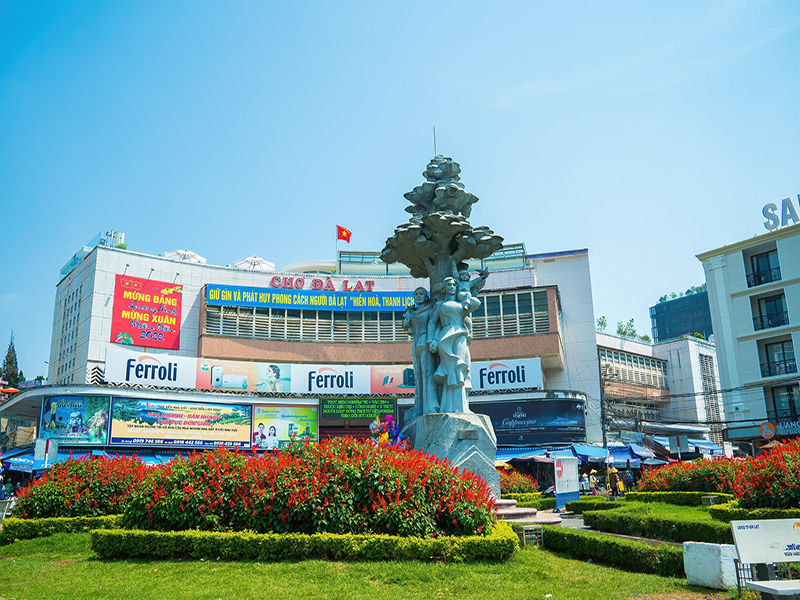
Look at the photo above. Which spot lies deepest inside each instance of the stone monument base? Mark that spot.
(467, 440)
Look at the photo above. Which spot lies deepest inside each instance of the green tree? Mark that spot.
(602, 323)
(11, 372)
(646, 338)
(626, 329)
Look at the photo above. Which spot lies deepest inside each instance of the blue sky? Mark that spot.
(645, 132)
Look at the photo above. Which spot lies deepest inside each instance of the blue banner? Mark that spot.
(234, 295)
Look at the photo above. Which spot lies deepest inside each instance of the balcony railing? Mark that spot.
(762, 277)
(778, 367)
(768, 321)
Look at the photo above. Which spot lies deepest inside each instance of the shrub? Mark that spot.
(514, 482)
(697, 476)
(679, 498)
(629, 555)
(501, 544)
(82, 488)
(770, 480)
(531, 497)
(733, 512)
(340, 485)
(642, 521)
(23, 529)
(579, 506)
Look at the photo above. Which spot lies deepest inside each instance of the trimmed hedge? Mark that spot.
(733, 512)
(679, 498)
(501, 544)
(25, 529)
(641, 523)
(522, 497)
(580, 506)
(629, 555)
(538, 504)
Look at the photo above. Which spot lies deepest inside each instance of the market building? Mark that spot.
(169, 352)
(754, 293)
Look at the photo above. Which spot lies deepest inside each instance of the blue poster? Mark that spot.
(76, 419)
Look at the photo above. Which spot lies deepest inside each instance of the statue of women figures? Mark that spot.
(415, 321)
(448, 337)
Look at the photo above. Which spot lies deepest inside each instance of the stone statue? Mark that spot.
(415, 321)
(433, 244)
(469, 289)
(447, 336)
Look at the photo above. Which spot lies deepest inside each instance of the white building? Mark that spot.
(656, 388)
(754, 294)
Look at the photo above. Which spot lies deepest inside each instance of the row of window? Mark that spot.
(783, 403)
(631, 368)
(500, 315)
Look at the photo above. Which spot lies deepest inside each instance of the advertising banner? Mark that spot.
(183, 424)
(357, 408)
(276, 426)
(230, 295)
(75, 419)
(331, 379)
(146, 313)
(767, 541)
(519, 423)
(245, 376)
(125, 365)
(566, 482)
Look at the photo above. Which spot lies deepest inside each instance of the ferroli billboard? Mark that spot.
(164, 370)
(540, 421)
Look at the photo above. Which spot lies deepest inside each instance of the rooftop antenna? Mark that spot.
(434, 141)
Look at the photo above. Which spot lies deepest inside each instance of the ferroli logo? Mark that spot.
(153, 371)
(329, 379)
(500, 374)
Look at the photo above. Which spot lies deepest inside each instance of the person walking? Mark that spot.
(593, 482)
(613, 481)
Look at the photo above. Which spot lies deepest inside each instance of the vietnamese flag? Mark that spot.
(342, 233)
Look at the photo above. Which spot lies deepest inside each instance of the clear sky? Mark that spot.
(646, 132)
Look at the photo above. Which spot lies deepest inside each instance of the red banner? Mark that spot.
(146, 313)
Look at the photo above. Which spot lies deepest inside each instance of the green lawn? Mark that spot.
(63, 566)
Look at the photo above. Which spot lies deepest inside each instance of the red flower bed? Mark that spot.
(82, 488)
(340, 485)
(514, 482)
(697, 476)
(770, 480)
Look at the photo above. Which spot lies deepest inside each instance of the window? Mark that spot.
(780, 359)
(765, 269)
(782, 403)
(771, 313)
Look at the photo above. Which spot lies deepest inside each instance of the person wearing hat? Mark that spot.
(613, 481)
(593, 482)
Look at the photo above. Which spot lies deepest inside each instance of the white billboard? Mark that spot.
(162, 370)
(507, 374)
(331, 379)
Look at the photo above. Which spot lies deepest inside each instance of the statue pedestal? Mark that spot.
(467, 440)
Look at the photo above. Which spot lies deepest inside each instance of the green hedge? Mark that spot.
(733, 512)
(24, 529)
(641, 523)
(579, 506)
(538, 504)
(501, 544)
(522, 497)
(679, 498)
(628, 555)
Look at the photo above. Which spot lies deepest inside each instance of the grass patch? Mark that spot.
(661, 522)
(63, 566)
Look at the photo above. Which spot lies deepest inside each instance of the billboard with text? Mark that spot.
(146, 313)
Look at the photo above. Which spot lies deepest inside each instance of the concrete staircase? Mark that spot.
(507, 511)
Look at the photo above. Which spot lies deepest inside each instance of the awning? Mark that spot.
(507, 454)
(654, 462)
(641, 451)
(590, 453)
(695, 445)
(625, 459)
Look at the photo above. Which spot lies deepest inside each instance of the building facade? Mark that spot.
(754, 292)
(140, 338)
(658, 388)
(689, 314)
